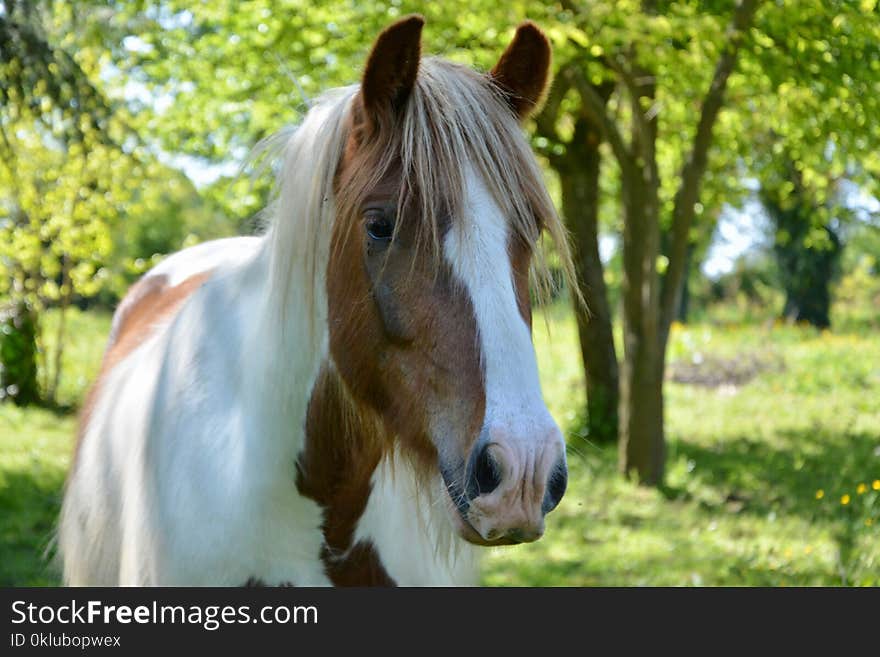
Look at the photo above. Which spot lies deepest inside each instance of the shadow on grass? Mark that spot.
(29, 505)
(762, 478)
(61, 410)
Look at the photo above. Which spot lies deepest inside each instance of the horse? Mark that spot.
(352, 397)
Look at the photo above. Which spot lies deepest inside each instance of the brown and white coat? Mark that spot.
(353, 397)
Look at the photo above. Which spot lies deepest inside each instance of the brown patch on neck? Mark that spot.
(149, 303)
(343, 446)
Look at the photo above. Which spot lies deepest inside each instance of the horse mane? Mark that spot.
(453, 119)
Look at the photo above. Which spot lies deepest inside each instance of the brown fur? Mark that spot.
(416, 350)
(155, 302)
(392, 67)
(520, 259)
(523, 71)
(396, 361)
(149, 303)
(343, 446)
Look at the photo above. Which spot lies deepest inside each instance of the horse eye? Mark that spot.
(380, 227)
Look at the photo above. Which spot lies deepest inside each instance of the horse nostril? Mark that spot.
(555, 488)
(485, 473)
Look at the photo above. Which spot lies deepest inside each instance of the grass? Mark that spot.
(744, 467)
(35, 449)
(756, 474)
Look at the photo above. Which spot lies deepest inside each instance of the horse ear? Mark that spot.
(392, 67)
(524, 70)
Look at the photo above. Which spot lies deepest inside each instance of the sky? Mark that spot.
(738, 230)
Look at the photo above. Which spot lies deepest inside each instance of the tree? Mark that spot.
(821, 140)
(806, 245)
(660, 133)
(649, 301)
(45, 98)
(73, 171)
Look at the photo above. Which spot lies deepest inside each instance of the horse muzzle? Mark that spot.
(511, 482)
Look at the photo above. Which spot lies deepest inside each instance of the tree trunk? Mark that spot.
(579, 178)
(806, 268)
(642, 441)
(684, 303)
(642, 447)
(67, 293)
(18, 354)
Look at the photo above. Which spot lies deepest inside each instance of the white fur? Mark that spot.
(399, 506)
(186, 473)
(185, 477)
(203, 257)
(480, 259)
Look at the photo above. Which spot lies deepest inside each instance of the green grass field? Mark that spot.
(771, 481)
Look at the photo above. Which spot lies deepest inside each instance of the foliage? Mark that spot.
(817, 138)
(807, 255)
(857, 293)
(85, 203)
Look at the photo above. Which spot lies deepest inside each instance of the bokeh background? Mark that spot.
(716, 163)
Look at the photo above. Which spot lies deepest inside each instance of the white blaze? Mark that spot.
(479, 255)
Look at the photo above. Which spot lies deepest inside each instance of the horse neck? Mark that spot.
(289, 335)
(285, 344)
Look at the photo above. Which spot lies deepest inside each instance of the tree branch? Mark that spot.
(636, 88)
(696, 162)
(595, 109)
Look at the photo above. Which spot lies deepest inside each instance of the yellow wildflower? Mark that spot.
(876, 484)
(820, 494)
(861, 489)
(844, 499)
